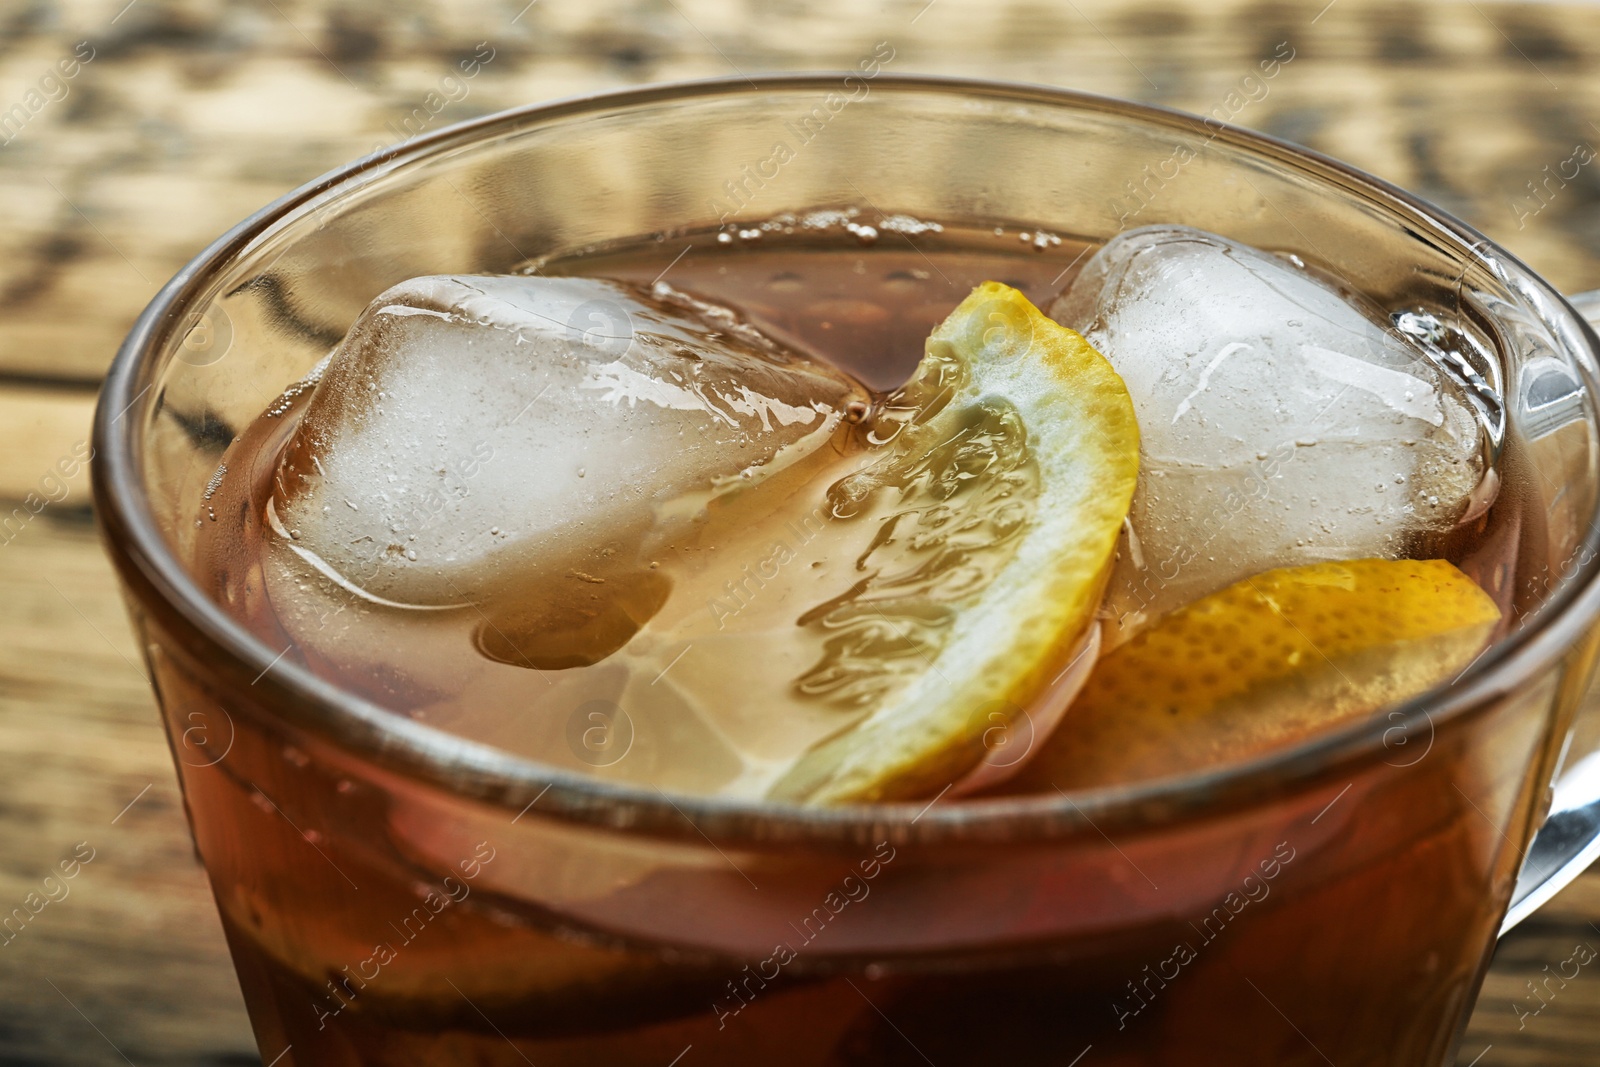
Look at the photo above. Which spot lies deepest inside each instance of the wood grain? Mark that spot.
(192, 113)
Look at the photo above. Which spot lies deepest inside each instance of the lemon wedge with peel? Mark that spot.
(1264, 663)
(1005, 402)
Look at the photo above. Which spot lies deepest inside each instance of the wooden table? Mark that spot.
(184, 115)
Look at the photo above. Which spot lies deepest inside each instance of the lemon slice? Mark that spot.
(1263, 663)
(996, 370)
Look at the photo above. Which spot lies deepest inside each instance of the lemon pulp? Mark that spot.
(996, 361)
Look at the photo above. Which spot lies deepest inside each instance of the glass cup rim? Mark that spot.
(478, 772)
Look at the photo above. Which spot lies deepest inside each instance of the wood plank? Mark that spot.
(44, 443)
(135, 945)
(178, 128)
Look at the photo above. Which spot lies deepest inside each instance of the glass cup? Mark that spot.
(395, 895)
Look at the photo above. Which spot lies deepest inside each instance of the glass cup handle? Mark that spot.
(1569, 840)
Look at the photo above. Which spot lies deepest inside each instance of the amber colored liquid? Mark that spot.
(377, 923)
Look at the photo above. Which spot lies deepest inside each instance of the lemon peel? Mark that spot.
(1263, 663)
(1014, 635)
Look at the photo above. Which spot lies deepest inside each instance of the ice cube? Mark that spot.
(1280, 425)
(471, 432)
